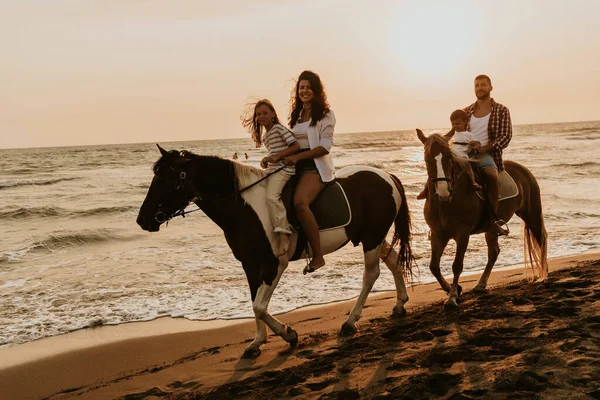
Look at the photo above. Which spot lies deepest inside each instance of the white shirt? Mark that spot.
(322, 135)
(456, 143)
(300, 131)
(479, 129)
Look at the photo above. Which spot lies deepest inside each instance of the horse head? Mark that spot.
(439, 162)
(167, 193)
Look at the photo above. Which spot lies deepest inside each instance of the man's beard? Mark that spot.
(484, 97)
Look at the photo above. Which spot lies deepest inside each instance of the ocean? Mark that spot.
(72, 255)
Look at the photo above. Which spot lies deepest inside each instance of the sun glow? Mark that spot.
(435, 51)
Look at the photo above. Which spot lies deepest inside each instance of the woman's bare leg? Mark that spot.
(309, 186)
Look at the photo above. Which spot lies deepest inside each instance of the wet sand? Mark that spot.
(519, 340)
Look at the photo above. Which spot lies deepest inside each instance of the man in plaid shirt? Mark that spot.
(491, 126)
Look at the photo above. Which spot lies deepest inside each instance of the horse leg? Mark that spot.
(457, 267)
(391, 261)
(260, 307)
(369, 277)
(491, 239)
(253, 349)
(437, 249)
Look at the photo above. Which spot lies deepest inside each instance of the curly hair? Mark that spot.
(320, 107)
(250, 122)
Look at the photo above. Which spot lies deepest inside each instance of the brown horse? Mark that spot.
(454, 211)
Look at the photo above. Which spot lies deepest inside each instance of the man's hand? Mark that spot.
(475, 146)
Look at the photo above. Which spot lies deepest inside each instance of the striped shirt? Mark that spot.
(499, 130)
(277, 139)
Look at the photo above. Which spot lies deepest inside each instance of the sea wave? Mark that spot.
(31, 182)
(586, 137)
(562, 216)
(578, 165)
(592, 129)
(63, 240)
(19, 170)
(45, 212)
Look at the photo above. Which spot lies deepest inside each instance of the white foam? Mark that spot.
(13, 284)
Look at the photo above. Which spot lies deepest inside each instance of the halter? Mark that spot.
(450, 180)
(160, 215)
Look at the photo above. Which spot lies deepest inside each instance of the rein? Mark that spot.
(161, 217)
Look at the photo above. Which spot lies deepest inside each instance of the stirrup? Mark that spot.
(501, 231)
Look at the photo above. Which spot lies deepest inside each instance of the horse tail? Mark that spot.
(535, 237)
(403, 233)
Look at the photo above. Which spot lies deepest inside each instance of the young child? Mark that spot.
(280, 143)
(460, 143)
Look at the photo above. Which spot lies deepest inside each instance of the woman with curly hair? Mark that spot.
(312, 123)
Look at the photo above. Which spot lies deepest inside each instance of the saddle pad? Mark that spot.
(331, 207)
(508, 187)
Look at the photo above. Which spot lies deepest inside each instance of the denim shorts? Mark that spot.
(484, 160)
(306, 165)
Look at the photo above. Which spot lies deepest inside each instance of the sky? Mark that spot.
(83, 72)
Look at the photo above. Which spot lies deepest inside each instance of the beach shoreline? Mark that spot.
(93, 362)
(12, 355)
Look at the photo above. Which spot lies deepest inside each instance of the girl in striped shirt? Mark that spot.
(280, 143)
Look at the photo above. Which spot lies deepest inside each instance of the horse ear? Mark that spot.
(162, 151)
(421, 136)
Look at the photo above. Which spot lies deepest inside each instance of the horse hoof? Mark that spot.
(450, 305)
(251, 353)
(479, 290)
(348, 330)
(294, 340)
(399, 312)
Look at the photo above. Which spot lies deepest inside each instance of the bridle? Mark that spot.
(162, 217)
(450, 180)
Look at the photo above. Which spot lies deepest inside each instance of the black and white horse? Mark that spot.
(376, 199)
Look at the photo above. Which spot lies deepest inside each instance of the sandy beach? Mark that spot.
(520, 340)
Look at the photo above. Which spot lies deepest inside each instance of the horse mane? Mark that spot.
(221, 169)
(247, 174)
(440, 140)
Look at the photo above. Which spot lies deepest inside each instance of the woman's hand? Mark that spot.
(290, 160)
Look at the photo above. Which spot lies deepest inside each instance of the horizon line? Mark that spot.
(249, 138)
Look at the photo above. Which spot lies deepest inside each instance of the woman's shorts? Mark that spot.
(484, 160)
(306, 166)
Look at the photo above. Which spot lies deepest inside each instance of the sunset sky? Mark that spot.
(79, 72)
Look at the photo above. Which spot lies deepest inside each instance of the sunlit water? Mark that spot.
(72, 256)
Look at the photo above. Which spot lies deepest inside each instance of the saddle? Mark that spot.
(508, 187)
(331, 207)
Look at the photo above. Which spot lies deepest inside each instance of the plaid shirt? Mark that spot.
(499, 130)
